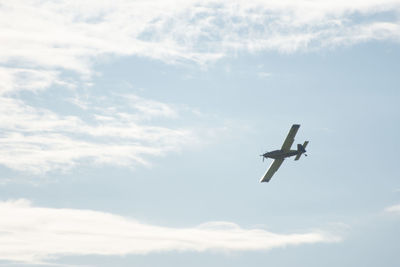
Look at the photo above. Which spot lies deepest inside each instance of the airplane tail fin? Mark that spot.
(301, 149)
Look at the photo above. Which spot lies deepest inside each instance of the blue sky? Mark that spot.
(131, 133)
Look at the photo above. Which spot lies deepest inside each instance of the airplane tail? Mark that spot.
(301, 149)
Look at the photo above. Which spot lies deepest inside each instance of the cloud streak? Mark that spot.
(393, 209)
(35, 234)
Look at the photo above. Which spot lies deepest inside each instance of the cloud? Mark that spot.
(393, 209)
(23, 79)
(264, 74)
(70, 34)
(39, 140)
(32, 234)
(115, 129)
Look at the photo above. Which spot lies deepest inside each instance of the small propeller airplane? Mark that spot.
(285, 152)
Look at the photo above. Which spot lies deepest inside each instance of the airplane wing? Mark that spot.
(290, 137)
(272, 169)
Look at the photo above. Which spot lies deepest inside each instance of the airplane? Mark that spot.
(285, 152)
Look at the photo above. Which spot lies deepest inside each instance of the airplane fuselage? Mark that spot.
(280, 154)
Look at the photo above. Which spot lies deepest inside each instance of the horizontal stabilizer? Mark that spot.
(301, 149)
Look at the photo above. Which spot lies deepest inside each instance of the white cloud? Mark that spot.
(18, 79)
(393, 209)
(69, 34)
(150, 108)
(35, 234)
(264, 74)
(39, 140)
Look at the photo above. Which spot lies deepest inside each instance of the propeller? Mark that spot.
(263, 157)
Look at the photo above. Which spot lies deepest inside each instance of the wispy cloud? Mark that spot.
(68, 34)
(17, 79)
(264, 74)
(39, 140)
(393, 209)
(116, 129)
(35, 234)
